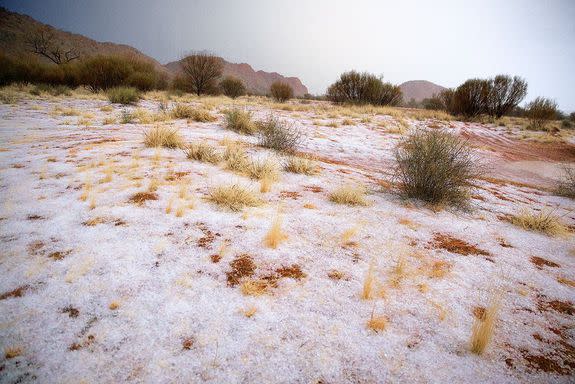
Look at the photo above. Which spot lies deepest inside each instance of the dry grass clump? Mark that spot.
(376, 323)
(367, 290)
(436, 167)
(278, 135)
(12, 352)
(123, 95)
(234, 197)
(182, 111)
(275, 235)
(236, 158)
(255, 287)
(484, 326)
(301, 165)
(349, 194)
(544, 221)
(240, 121)
(264, 169)
(162, 136)
(567, 184)
(203, 151)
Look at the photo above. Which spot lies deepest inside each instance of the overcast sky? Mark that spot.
(442, 41)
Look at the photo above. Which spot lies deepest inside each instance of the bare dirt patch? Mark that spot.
(455, 245)
(140, 198)
(541, 262)
(241, 267)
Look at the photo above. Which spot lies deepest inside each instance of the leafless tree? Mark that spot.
(44, 43)
(505, 93)
(201, 70)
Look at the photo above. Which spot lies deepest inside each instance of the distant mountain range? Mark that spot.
(419, 90)
(15, 28)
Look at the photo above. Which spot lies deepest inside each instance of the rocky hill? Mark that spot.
(419, 90)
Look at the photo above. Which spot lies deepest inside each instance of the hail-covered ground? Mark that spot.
(100, 286)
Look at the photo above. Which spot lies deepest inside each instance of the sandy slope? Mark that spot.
(179, 320)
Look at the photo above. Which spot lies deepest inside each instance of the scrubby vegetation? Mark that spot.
(123, 95)
(240, 121)
(162, 136)
(363, 88)
(567, 183)
(232, 87)
(278, 135)
(436, 167)
(281, 92)
(303, 165)
(183, 111)
(540, 111)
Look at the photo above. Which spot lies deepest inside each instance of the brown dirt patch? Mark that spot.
(215, 258)
(35, 247)
(455, 245)
(35, 217)
(479, 312)
(176, 176)
(541, 262)
(564, 307)
(188, 343)
(290, 195)
(59, 255)
(293, 271)
(242, 266)
(140, 198)
(313, 188)
(71, 311)
(18, 292)
(208, 238)
(337, 275)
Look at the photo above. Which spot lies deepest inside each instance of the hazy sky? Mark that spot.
(438, 40)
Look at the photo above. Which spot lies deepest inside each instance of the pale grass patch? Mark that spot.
(183, 190)
(368, 282)
(484, 328)
(399, 271)
(106, 108)
(275, 235)
(86, 189)
(264, 169)
(163, 136)
(109, 121)
(348, 234)
(181, 208)
(108, 173)
(78, 270)
(240, 121)
(251, 287)
(303, 165)
(170, 205)
(544, 221)
(249, 311)
(350, 195)
(236, 159)
(234, 197)
(154, 184)
(92, 203)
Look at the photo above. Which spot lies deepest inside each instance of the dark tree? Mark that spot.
(363, 88)
(232, 87)
(505, 94)
(470, 99)
(201, 71)
(43, 42)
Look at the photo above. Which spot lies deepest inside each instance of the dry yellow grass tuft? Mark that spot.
(264, 169)
(544, 221)
(170, 205)
(250, 311)
(399, 271)
(350, 195)
(376, 323)
(180, 209)
(240, 121)
(114, 305)
(347, 235)
(182, 111)
(162, 136)
(236, 158)
(275, 235)
(12, 352)
(203, 151)
(301, 165)
(234, 197)
(367, 291)
(484, 326)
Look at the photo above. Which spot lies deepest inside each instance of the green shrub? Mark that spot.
(281, 92)
(105, 72)
(123, 95)
(240, 121)
(436, 167)
(278, 135)
(126, 117)
(567, 184)
(232, 87)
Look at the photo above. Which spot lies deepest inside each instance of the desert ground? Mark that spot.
(118, 267)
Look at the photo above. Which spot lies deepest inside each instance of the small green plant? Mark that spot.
(240, 121)
(232, 87)
(126, 117)
(123, 95)
(278, 135)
